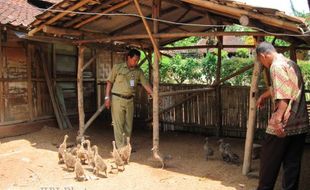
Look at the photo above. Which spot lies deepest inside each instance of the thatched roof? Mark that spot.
(206, 13)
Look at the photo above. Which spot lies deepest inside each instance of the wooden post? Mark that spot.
(155, 12)
(251, 119)
(1, 83)
(80, 92)
(149, 58)
(293, 56)
(218, 88)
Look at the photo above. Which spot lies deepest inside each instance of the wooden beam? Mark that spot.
(171, 35)
(46, 39)
(80, 92)
(239, 12)
(70, 32)
(251, 119)
(59, 16)
(142, 61)
(155, 45)
(61, 31)
(83, 17)
(113, 8)
(89, 62)
(92, 119)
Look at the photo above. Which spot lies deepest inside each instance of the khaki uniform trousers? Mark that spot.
(122, 117)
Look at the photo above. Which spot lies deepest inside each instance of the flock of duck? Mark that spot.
(85, 154)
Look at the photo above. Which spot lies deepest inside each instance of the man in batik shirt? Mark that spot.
(288, 125)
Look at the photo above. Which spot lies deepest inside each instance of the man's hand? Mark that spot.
(260, 102)
(107, 103)
(279, 130)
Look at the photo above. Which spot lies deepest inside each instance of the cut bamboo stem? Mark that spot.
(80, 96)
(252, 119)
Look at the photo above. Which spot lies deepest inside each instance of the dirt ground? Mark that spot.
(30, 162)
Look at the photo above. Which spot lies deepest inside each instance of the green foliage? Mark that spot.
(305, 70)
(234, 64)
(183, 69)
(185, 42)
(242, 52)
(208, 64)
(278, 42)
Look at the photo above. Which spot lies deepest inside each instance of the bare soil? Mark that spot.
(31, 162)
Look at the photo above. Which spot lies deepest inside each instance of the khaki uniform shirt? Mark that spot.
(287, 83)
(125, 80)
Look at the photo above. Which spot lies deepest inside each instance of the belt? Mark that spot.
(123, 96)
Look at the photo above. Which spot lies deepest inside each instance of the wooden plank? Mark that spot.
(80, 97)
(58, 16)
(113, 8)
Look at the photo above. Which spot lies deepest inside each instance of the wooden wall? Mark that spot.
(23, 90)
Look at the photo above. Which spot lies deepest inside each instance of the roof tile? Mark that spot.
(18, 12)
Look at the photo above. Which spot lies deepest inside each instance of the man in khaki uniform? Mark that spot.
(123, 80)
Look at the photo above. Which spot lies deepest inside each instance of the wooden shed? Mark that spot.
(59, 67)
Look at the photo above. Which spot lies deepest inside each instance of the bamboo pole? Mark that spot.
(89, 62)
(155, 45)
(59, 16)
(115, 7)
(242, 70)
(174, 105)
(80, 97)
(236, 12)
(142, 61)
(251, 120)
(92, 119)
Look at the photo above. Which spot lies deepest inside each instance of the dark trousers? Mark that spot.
(276, 151)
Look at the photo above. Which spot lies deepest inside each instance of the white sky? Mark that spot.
(283, 5)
